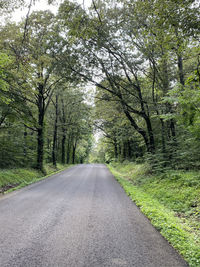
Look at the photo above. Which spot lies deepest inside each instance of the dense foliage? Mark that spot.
(143, 59)
(44, 113)
(143, 56)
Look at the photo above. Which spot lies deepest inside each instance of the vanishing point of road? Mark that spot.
(80, 217)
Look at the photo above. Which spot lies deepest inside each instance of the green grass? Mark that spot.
(171, 201)
(12, 179)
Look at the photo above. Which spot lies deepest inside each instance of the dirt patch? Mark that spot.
(7, 187)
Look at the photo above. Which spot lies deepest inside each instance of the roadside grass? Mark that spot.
(170, 200)
(12, 179)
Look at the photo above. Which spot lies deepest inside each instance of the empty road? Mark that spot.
(79, 218)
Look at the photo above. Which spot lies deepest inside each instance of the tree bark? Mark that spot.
(74, 152)
(173, 130)
(163, 136)
(179, 58)
(115, 147)
(139, 130)
(120, 151)
(25, 144)
(68, 150)
(151, 135)
(40, 148)
(180, 69)
(63, 147)
(55, 133)
(63, 120)
(40, 129)
(124, 150)
(129, 149)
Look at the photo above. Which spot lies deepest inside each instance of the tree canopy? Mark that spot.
(142, 58)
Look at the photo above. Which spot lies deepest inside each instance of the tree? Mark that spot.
(104, 54)
(136, 52)
(116, 128)
(35, 75)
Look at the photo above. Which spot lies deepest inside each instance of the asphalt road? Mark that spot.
(80, 217)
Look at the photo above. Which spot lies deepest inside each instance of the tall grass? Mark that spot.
(19, 177)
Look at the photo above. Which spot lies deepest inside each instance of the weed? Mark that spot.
(170, 200)
(11, 179)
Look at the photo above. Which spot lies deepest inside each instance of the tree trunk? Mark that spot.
(173, 130)
(119, 151)
(63, 147)
(68, 150)
(74, 152)
(179, 58)
(25, 144)
(180, 69)
(40, 129)
(40, 147)
(55, 133)
(115, 147)
(163, 136)
(63, 120)
(124, 150)
(146, 117)
(140, 131)
(129, 149)
(151, 135)
(154, 98)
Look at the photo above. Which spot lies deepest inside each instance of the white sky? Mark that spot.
(42, 5)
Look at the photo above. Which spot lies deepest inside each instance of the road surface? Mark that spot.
(79, 218)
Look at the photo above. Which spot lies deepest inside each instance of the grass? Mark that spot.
(171, 201)
(12, 179)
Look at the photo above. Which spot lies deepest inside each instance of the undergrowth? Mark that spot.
(11, 179)
(170, 200)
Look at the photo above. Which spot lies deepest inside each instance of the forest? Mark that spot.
(142, 60)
